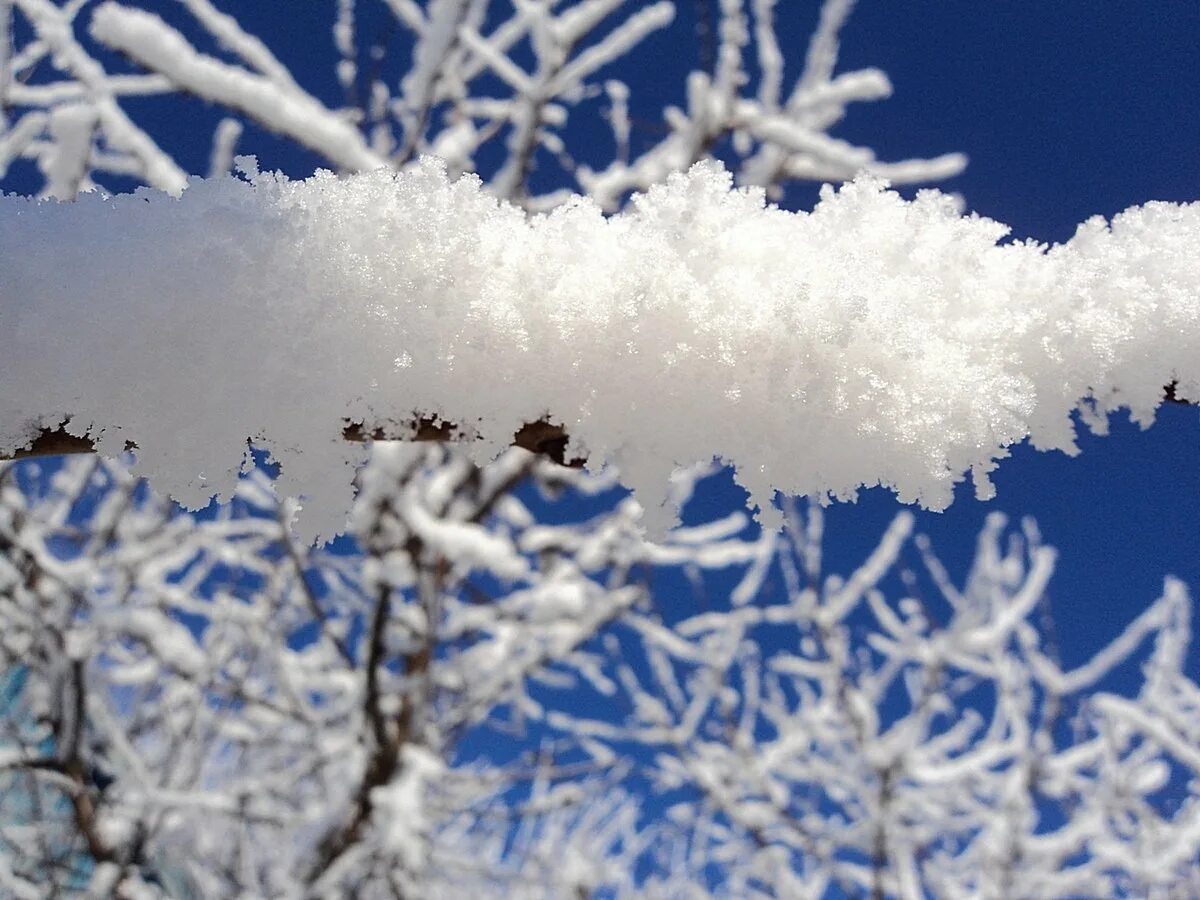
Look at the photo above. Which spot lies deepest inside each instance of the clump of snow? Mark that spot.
(871, 341)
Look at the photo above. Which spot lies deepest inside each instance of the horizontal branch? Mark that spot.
(542, 437)
(897, 342)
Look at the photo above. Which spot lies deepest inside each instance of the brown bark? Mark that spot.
(1169, 395)
(541, 437)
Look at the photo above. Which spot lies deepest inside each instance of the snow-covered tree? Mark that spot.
(488, 690)
(484, 703)
(178, 671)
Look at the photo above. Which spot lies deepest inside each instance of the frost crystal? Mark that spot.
(871, 341)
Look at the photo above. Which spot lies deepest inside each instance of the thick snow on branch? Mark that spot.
(873, 340)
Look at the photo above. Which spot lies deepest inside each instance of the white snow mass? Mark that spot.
(871, 341)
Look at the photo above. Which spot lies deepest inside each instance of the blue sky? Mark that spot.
(1065, 109)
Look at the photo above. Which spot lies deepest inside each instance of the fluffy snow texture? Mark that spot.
(873, 340)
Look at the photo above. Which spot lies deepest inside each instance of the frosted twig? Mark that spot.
(54, 28)
(277, 105)
(224, 143)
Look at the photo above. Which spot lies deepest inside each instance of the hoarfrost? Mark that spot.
(872, 341)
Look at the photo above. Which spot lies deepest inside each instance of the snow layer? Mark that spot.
(873, 340)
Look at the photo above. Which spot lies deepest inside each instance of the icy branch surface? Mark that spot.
(871, 341)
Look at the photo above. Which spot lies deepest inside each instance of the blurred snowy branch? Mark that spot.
(61, 101)
(837, 740)
(179, 671)
(206, 708)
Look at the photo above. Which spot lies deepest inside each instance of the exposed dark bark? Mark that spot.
(542, 437)
(54, 442)
(1169, 395)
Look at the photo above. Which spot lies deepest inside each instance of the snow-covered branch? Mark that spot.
(170, 672)
(833, 748)
(59, 77)
(775, 139)
(68, 155)
(896, 341)
(202, 706)
(270, 97)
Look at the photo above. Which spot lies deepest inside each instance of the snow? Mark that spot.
(53, 26)
(805, 733)
(272, 98)
(872, 341)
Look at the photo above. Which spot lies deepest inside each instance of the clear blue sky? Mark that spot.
(1066, 109)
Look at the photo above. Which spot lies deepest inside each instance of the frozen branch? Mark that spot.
(54, 28)
(845, 330)
(272, 100)
(819, 737)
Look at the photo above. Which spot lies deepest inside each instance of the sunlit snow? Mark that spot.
(871, 341)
